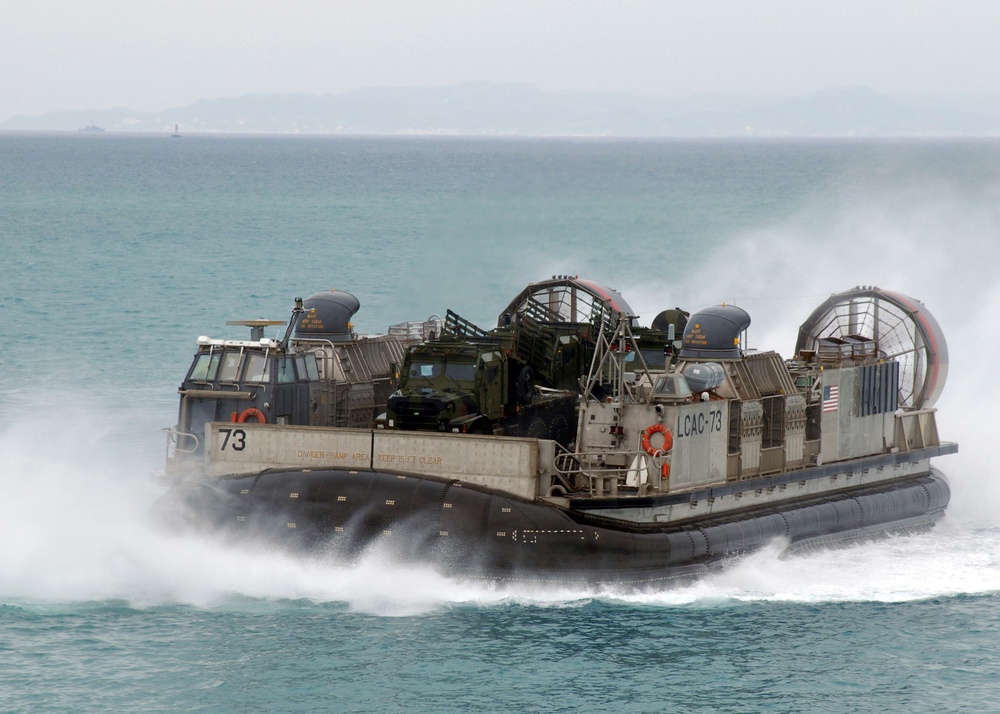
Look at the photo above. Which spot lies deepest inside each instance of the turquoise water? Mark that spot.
(118, 251)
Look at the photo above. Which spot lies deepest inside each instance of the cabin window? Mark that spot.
(674, 385)
(306, 367)
(205, 365)
(230, 368)
(258, 368)
(213, 367)
(312, 369)
(286, 370)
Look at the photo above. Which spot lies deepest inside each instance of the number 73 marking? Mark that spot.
(238, 437)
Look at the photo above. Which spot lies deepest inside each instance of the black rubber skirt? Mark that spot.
(469, 531)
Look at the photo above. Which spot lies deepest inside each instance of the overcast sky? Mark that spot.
(150, 55)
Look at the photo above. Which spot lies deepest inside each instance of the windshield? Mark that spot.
(672, 385)
(420, 371)
(205, 366)
(258, 368)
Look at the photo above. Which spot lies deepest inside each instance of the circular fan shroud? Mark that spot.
(902, 328)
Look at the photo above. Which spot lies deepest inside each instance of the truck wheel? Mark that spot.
(525, 388)
(537, 428)
(559, 430)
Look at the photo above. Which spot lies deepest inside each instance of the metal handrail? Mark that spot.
(174, 439)
(571, 463)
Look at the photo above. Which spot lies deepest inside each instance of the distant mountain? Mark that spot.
(481, 108)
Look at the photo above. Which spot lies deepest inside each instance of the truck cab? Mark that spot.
(450, 386)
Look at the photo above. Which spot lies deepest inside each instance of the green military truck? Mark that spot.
(468, 388)
(526, 376)
(520, 379)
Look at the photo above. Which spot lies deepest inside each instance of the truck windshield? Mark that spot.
(462, 372)
(425, 370)
(655, 358)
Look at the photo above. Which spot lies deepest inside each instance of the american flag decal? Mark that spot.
(831, 398)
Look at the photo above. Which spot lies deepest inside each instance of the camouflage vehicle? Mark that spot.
(466, 387)
(522, 378)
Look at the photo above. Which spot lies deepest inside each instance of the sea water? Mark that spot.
(118, 251)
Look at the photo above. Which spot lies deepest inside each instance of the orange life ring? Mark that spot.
(252, 412)
(668, 439)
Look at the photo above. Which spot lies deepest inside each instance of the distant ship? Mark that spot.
(177, 132)
(92, 129)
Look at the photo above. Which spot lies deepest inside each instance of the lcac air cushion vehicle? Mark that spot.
(683, 456)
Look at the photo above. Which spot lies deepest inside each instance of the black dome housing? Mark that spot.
(714, 333)
(327, 316)
(674, 316)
